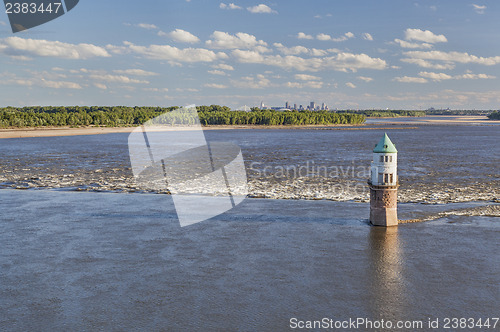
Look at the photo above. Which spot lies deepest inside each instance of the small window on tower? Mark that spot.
(381, 158)
(392, 178)
(390, 159)
(386, 178)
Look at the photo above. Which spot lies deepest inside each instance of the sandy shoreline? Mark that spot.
(441, 119)
(60, 131)
(68, 131)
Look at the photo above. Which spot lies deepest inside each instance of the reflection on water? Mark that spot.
(387, 300)
(87, 261)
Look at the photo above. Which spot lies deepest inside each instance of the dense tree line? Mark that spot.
(457, 112)
(273, 118)
(130, 116)
(77, 116)
(409, 113)
(494, 116)
(388, 113)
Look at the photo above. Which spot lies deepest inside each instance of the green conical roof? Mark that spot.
(385, 145)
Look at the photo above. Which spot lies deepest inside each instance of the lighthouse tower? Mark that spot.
(384, 184)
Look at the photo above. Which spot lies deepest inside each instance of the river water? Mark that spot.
(436, 163)
(118, 259)
(103, 261)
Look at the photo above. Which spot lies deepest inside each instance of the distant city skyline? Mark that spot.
(287, 105)
(346, 54)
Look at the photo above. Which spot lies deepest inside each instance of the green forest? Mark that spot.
(494, 116)
(121, 116)
(388, 113)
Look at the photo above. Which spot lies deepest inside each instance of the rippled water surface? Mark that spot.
(104, 261)
(436, 163)
(118, 260)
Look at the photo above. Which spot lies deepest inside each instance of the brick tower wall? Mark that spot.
(383, 205)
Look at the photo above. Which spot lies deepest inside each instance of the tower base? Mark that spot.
(384, 205)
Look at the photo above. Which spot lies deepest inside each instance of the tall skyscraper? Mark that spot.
(312, 106)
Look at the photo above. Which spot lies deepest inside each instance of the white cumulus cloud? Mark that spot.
(340, 62)
(437, 77)
(215, 86)
(302, 35)
(317, 52)
(475, 77)
(305, 77)
(453, 57)
(146, 26)
(325, 37)
(427, 64)
(40, 79)
(223, 66)
(217, 72)
(156, 89)
(367, 36)
(16, 46)
(135, 72)
(261, 9)
(425, 36)
(183, 36)
(100, 86)
(229, 6)
(295, 50)
(117, 79)
(407, 79)
(251, 82)
(224, 40)
(366, 79)
(60, 85)
(407, 44)
(170, 53)
(302, 85)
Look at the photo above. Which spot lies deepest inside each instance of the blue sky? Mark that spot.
(348, 54)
